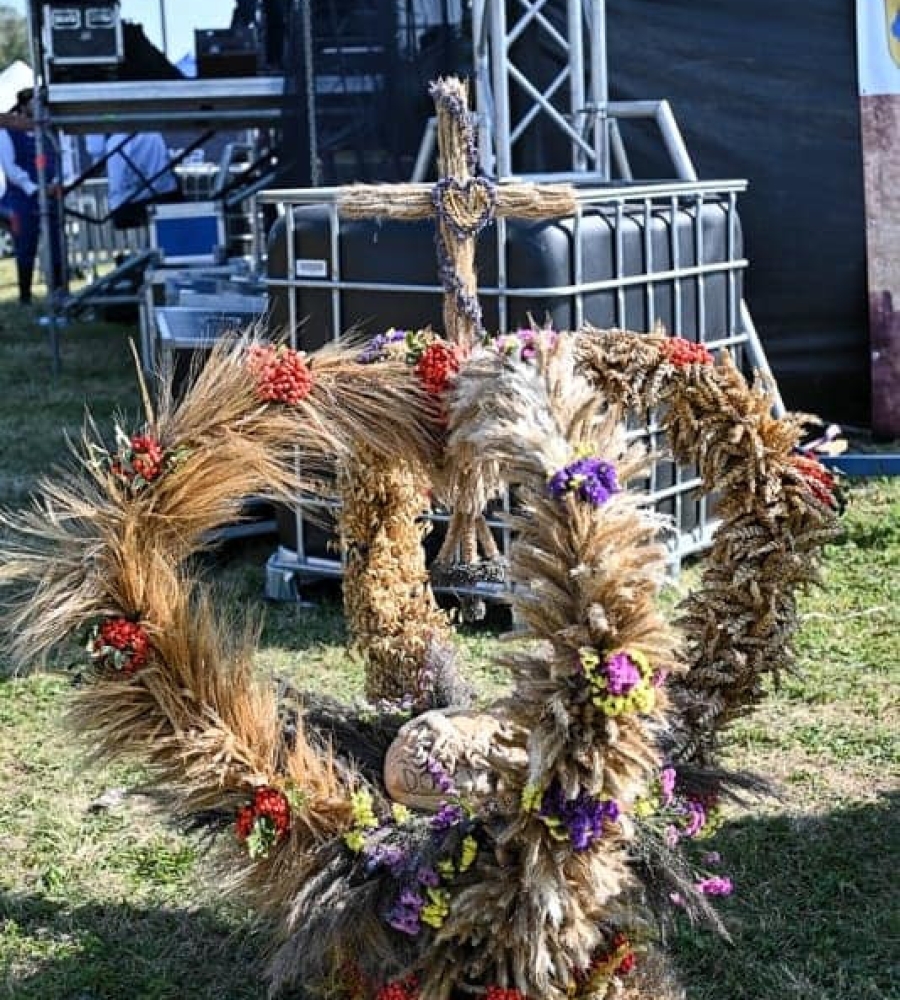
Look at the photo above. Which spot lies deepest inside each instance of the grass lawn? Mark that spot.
(108, 902)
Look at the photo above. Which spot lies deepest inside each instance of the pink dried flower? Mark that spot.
(715, 885)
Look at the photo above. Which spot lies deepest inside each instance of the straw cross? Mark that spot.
(462, 204)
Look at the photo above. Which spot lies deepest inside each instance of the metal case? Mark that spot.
(190, 232)
(83, 32)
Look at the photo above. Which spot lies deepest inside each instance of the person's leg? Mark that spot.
(25, 230)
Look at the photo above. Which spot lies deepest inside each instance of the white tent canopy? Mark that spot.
(17, 76)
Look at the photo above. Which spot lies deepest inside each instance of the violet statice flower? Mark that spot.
(448, 815)
(712, 858)
(442, 780)
(375, 349)
(428, 877)
(622, 674)
(388, 856)
(667, 778)
(404, 914)
(715, 885)
(527, 344)
(583, 816)
(590, 479)
(395, 706)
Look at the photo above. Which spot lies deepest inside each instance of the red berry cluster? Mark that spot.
(819, 480)
(500, 993)
(122, 644)
(282, 374)
(437, 366)
(143, 459)
(683, 353)
(146, 457)
(270, 804)
(402, 989)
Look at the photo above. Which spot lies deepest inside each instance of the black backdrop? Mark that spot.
(767, 91)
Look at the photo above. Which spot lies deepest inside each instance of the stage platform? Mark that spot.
(190, 103)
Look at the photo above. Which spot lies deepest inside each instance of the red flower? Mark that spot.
(273, 804)
(244, 823)
(683, 353)
(265, 821)
(621, 950)
(401, 989)
(282, 374)
(147, 457)
(437, 366)
(122, 644)
(627, 964)
(140, 462)
(617, 959)
(818, 479)
(499, 993)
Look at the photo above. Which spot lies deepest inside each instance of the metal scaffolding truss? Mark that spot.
(571, 94)
(576, 98)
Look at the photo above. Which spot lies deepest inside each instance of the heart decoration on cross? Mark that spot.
(465, 206)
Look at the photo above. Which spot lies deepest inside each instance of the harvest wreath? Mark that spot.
(417, 846)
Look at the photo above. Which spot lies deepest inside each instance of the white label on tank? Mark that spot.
(309, 268)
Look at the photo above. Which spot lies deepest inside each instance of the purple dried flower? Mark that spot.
(622, 674)
(696, 818)
(712, 858)
(404, 914)
(428, 877)
(583, 816)
(671, 836)
(715, 885)
(448, 815)
(376, 348)
(523, 344)
(442, 780)
(386, 855)
(589, 478)
(528, 344)
(404, 921)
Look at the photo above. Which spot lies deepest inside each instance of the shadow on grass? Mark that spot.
(97, 951)
(815, 915)
(814, 918)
